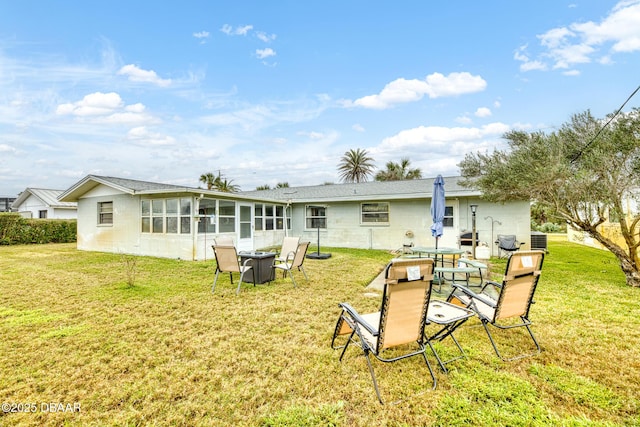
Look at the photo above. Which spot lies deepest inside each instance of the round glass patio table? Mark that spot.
(438, 253)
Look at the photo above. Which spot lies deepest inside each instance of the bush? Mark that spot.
(14, 229)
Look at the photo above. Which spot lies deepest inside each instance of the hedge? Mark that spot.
(15, 230)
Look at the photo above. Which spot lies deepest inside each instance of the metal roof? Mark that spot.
(47, 196)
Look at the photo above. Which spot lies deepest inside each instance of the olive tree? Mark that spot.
(586, 171)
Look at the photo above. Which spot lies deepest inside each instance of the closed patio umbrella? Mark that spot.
(437, 208)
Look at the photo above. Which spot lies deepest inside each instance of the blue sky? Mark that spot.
(277, 91)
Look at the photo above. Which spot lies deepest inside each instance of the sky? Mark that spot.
(267, 92)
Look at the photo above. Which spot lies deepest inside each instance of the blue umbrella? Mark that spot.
(437, 208)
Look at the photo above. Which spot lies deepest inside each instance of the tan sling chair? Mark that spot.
(400, 321)
(497, 304)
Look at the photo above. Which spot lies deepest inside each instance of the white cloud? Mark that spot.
(438, 136)
(265, 53)
(435, 85)
(105, 108)
(94, 104)
(358, 127)
(267, 38)
(4, 148)
(137, 74)
(141, 135)
(201, 35)
(586, 42)
(238, 31)
(483, 112)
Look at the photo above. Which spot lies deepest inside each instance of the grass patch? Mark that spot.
(144, 342)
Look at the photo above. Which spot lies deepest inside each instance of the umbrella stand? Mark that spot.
(318, 255)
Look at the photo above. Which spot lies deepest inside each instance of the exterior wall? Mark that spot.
(410, 222)
(32, 206)
(124, 235)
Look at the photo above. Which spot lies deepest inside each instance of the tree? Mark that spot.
(218, 183)
(226, 185)
(582, 172)
(399, 171)
(208, 179)
(355, 166)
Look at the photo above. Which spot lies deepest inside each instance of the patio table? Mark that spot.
(261, 263)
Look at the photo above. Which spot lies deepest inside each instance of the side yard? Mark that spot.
(108, 339)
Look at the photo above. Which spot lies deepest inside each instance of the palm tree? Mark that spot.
(355, 166)
(399, 171)
(225, 185)
(209, 179)
(219, 183)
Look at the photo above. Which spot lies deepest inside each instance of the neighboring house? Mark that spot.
(610, 228)
(43, 203)
(146, 218)
(5, 203)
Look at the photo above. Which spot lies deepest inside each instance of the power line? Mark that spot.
(577, 156)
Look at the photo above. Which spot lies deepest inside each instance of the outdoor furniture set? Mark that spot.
(407, 311)
(260, 265)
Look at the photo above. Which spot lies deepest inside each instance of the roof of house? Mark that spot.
(46, 196)
(375, 190)
(133, 186)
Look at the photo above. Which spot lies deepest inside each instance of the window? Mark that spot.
(279, 217)
(448, 216)
(268, 217)
(207, 212)
(157, 216)
(258, 217)
(42, 214)
(174, 213)
(375, 213)
(105, 213)
(316, 217)
(227, 216)
(185, 216)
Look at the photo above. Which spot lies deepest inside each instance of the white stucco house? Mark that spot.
(43, 203)
(147, 218)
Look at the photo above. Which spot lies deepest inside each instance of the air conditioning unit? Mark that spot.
(539, 241)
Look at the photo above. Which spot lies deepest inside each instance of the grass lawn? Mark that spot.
(81, 332)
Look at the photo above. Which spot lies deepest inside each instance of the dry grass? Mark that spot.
(165, 351)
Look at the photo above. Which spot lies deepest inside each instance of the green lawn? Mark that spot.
(165, 351)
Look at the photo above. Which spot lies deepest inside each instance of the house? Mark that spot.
(610, 228)
(43, 203)
(5, 203)
(146, 218)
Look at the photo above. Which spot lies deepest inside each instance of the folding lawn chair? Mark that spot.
(400, 321)
(498, 304)
(507, 244)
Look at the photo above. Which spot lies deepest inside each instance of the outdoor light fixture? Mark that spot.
(474, 237)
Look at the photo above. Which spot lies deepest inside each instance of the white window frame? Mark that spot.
(372, 214)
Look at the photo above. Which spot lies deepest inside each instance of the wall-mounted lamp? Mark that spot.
(474, 237)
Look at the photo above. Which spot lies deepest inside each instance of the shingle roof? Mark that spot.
(375, 190)
(408, 189)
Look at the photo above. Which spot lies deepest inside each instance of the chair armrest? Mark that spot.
(346, 307)
(480, 297)
(247, 261)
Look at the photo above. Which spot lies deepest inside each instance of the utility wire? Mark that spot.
(577, 156)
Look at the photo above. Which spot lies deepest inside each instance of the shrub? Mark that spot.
(14, 229)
